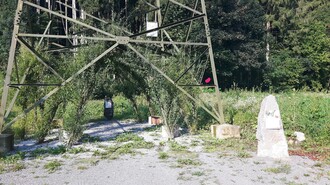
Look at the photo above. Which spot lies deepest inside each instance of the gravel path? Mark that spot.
(146, 168)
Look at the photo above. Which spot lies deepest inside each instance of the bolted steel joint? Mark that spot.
(122, 40)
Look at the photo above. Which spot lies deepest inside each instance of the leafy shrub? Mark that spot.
(73, 120)
(307, 113)
(20, 128)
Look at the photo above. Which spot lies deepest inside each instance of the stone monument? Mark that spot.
(270, 133)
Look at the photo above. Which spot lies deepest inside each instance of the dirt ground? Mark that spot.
(158, 165)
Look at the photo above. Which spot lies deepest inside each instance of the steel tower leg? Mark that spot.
(214, 73)
(10, 63)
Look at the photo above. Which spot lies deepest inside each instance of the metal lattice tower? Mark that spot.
(197, 15)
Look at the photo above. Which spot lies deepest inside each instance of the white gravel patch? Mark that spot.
(218, 168)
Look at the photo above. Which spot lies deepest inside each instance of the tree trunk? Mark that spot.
(267, 44)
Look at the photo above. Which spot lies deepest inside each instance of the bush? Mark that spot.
(73, 120)
(307, 113)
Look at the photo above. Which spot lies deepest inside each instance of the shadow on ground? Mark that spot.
(103, 130)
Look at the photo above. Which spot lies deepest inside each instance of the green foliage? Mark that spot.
(6, 25)
(12, 163)
(299, 55)
(19, 128)
(51, 151)
(53, 166)
(77, 150)
(127, 144)
(176, 147)
(284, 72)
(123, 108)
(237, 29)
(243, 154)
(73, 120)
(129, 136)
(188, 162)
(308, 113)
(94, 109)
(281, 169)
(89, 139)
(163, 155)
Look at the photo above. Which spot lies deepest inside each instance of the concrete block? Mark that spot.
(6, 143)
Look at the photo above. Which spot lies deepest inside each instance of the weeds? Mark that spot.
(78, 150)
(52, 166)
(127, 144)
(129, 136)
(53, 151)
(281, 169)
(152, 128)
(89, 139)
(198, 173)
(243, 154)
(194, 143)
(176, 147)
(163, 155)
(82, 168)
(188, 162)
(12, 163)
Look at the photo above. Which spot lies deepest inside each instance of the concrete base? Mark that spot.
(225, 131)
(170, 135)
(6, 143)
(154, 120)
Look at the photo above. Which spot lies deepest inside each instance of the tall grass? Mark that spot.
(123, 109)
(300, 111)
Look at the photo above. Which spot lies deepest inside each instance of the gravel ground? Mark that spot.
(146, 168)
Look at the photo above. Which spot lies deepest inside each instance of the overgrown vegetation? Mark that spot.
(298, 38)
(284, 168)
(126, 143)
(53, 166)
(12, 163)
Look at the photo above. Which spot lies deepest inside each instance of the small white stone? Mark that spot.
(300, 136)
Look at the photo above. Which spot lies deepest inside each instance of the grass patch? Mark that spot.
(78, 150)
(52, 166)
(281, 169)
(89, 139)
(152, 128)
(319, 165)
(188, 162)
(52, 151)
(212, 144)
(243, 154)
(198, 173)
(128, 136)
(176, 147)
(82, 168)
(194, 143)
(127, 143)
(163, 155)
(12, 163)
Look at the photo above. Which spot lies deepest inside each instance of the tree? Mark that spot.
(238, 41)
(6, 24)
(301, 30)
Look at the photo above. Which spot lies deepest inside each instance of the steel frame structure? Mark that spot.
(198, 12)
